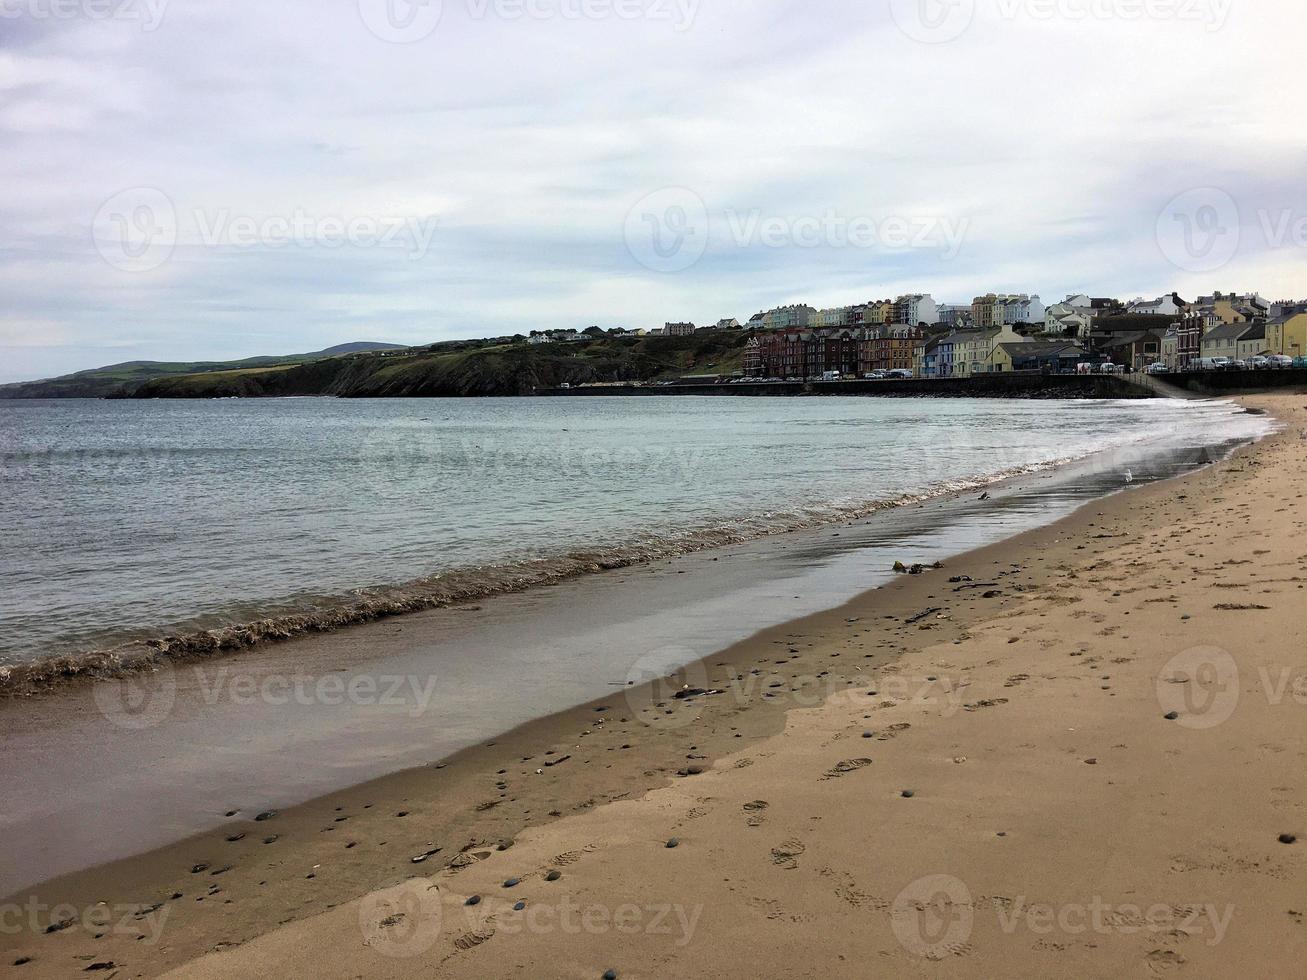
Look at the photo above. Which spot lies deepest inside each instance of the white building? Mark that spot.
(1068, 320)
(837, 316)
(1022, 309)
(788, 317)
(1170, 305)
(915, 309)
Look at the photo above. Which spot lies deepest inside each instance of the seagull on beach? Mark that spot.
(1129, 477)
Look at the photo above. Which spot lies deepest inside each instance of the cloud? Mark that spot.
(528, 131)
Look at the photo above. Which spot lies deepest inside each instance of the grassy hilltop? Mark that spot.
(466, 368)
(125, 378)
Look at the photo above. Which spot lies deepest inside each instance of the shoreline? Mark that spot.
(463, 811)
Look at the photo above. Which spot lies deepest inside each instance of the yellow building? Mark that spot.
(973, 350)
(1288, 335)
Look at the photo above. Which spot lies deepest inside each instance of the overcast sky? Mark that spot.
(203, 179)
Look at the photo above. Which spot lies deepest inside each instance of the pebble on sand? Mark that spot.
(512, 882)
(674, 842)
(1172, 715)
(908, 794)
(1288, 839)
(553, 876)
(519, 906)
(474, 900)
(610, 975)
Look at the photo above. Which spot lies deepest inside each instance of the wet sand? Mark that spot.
(1015, 707)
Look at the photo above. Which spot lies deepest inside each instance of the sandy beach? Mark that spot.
(1069, 754)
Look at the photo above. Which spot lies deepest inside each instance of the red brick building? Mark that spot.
(806, 353)
(888, 348)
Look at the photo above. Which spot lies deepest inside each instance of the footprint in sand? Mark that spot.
(1164, 961)
(786, 855)
(471, 940)
(755, 812)
(847, 766)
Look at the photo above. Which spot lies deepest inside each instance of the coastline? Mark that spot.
(460, 808)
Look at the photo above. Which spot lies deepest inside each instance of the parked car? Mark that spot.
(1259, 363)
(1300, 362)
(1157, 367)
(1107, 367)
(1236, 365)
(899, 374)
(1212, 363)
(1280, 361)
(831, 376)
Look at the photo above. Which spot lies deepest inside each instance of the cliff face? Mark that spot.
(469, 371)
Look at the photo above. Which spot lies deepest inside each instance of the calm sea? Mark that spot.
(130, 520)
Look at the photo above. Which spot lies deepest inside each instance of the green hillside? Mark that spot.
(122, 379)
(468, 368)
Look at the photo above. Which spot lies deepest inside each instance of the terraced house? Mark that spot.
(804, 353)
(889, 348)
(1287, 334)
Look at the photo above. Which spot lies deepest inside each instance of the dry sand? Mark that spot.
(994, 788)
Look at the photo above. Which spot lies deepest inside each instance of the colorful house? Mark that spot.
(1288, 335)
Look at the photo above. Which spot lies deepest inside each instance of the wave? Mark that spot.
(451, 588)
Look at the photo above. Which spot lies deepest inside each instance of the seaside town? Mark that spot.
(914, 336)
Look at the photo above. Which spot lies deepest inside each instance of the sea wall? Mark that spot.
(983, 386)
